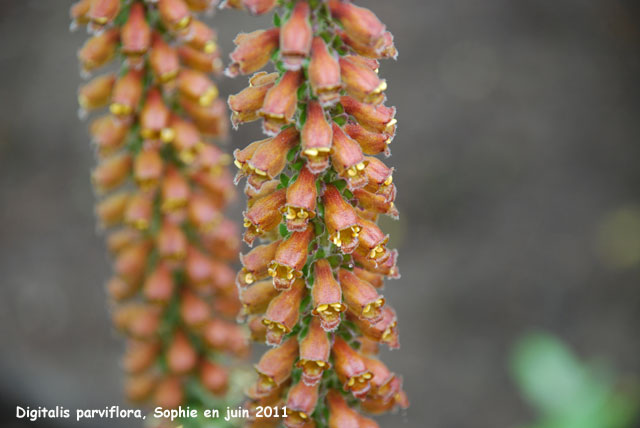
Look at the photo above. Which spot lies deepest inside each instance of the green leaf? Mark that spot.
(347, 194)
(276, 19)
(291, 154)
(283, 230)
(284, 180)
(340, 120)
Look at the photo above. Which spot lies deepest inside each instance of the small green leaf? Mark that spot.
(340, 120)
(276, 19)
(291, 154)
(347, 194)
(284, 180)
(283, 230)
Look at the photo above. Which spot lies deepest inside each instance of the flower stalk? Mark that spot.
(163, 188)
(311, 289)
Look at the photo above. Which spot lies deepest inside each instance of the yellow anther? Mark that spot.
(311, 152)
(210, 47)
(390, 125)
(388, 181)
(381, 87)
(249, 278)
(322, 308)
(183, 23)
(209, 95)
(360, 166)
(167, 135)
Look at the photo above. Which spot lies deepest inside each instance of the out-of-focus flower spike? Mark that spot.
(373, 118)
(290, 258)
(108, 134)
(317, 139)
(361, 297)
(154, 118)
(301, 201)
(371, 143)
(98, 50)
(255, 264)
(139, 355)
(259, 7)
(280, 102)
(257, 329)
(169, 393)
(351, 369)
(245, 104)
(194, 310)
(148, 169)
(139, 387)
(252, 51)
(327, 296)
(203, 213)
(314, 353)
(196, 86)
(340, 414)
(202, 37)
(110, 211)
(181, 355)
(276, 365)
(214, 377)
(175, 191)
(163, 60)
(283, 312)
(200, 60)
(121, 239)
(131, 262)
(171, 242)
(301, 402)
(295, 37)
(347, 159)
(97, 93)
(198, 269)
(139, 211)
(127, 94)
(264, 215)
(135, 35)
(359, 23)
(341, 220)
(324, 73)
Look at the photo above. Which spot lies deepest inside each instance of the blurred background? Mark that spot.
(517, 168)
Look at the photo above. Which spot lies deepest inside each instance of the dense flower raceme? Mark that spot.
(163, 188)
(311, 287)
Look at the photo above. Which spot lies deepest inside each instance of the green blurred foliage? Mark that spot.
(566, 392)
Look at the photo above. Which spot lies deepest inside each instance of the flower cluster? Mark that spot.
(163, 188)
(315, 190)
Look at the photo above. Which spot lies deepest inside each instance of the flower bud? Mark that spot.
(359, 23)
(169, 393)
(198, 269)
(119, 289)
(327, 296)
(371, 143)
(245, 104)
(154, 118)
(301, 403)
(340, 414)
(197, 86)
(301, 201)
(214, 377)
(210, 120)
(270, 157)
(264, 215)
(145, 322)
(202, 38)
(361, 298)
(280, 102)
(290, 258)
(98, 50)
(253, 51)
(139, 356)
(256, 298)
(194, 310)
(148, 168)
(181, 355)
(139, 211)
(372, 278)
(387, 267)
(373, 118)
(127, 94)
(275, 366)
(317, 138)
(314, 353)
(171, 242)
(283, 312)
(158, 286)
(324, 73)
(111, 209)
(103, 12)
(347, 159)
(199, 60)
(163, 60)
(384, 49)
(121, 239)
(175, 15)
(175, 191)
(362, 82)
(111, 172)
(295, 37)
(108, 134)
(97, 92)
(350, 368)
(139, 387)
(341, 220)
(255, 264)
(135, 35)
(372, 242)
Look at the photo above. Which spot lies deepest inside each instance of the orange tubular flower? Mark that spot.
(315, 197)
(172, 291)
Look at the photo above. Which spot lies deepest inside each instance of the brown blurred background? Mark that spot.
(517, 168)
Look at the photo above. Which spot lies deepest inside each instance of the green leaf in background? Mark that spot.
(566, 392)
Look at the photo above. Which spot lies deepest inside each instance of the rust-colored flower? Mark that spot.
(301, 402)
(348, 160)
(252, 51)
(283, 312)
(275, 366)
(295, 37)
(245, 105)
(326, 296)
(341, 220)
(324, 73)
(317, 139)
(301, 201)
(289, 259)
(361, 298)
(255, 264)
(280, 102)
(264, 215)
